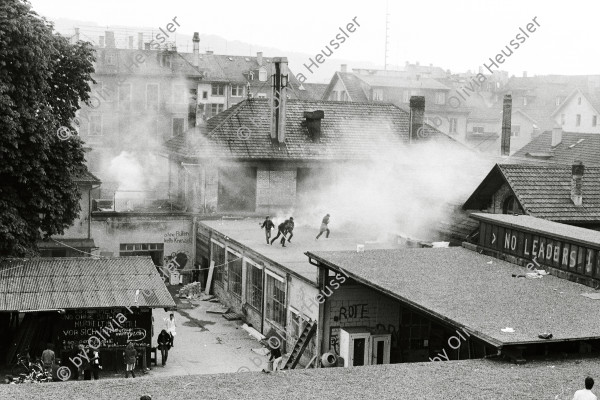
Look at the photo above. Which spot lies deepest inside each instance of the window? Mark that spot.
(261, 96)
(511, 206)
(453, 125)
(345, 96)
(205, 95)
(275, 299)
(218, 257)
(110, 58)
(562, 119)
(254, 285)
(262, 75)
(478, 129)
(178, 94)
(125, 96)
(237, 90)
(215, 109)
(178, 126)
(95, 125)
(377, 94)
(557, 101)
(440, 98)
(516, 131)
(234, 264)
(578, 120)
(154, 250)
(152, 96)
(218, 90)
(594, 120)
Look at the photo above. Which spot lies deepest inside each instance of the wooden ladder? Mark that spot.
(300, 346)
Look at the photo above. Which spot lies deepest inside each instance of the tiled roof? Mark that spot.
(312, 91)
(401, 82)
(543, 191)
(353, 85)
(570, 149)
(539, 225)
(350, 131)
(86, 176)
(80, 282)
(476, 292)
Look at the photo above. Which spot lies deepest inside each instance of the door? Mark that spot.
(380, 352)
(358, 356)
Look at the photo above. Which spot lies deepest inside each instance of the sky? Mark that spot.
(458, 35)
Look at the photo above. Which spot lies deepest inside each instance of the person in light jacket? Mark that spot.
(171, 326)
(130, 355)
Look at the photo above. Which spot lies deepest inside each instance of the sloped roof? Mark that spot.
(542, 191)
(85, 176)
(352, 84)
(475, 292)
(574, 146)
(349, 131)
(312, 91)
(80, 282)
(401, 82)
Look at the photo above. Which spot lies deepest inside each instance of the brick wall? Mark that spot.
(275, 189)
(498, 199)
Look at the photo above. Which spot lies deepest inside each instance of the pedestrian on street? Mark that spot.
(170, 325)
(324, 227)
(130, 355)
(164, 344)
(48, 358)
(83, 366)
(281, 230)
(275, 357)
(268, 225)
(94, 366)
(586, 394)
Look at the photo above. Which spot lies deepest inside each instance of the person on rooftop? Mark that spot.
(324, 227)
(290, 230)
(281, 230)
(268, 225)
(586, 394)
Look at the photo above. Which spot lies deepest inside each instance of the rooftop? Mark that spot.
(470, 379)
(476, 292)
(247, 232)
(349, 131)
(544, 191)
(574, 146)
(542, 226)
(80, 282)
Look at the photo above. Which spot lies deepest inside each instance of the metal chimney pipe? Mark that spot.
(506, 121)
(279, 99)
(140, 41)
(577, 182)
(196, 41)
(417, 113)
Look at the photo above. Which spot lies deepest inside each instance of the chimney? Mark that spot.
(577, 183)
(101, 41)
(259, 58)
(196, 41)
(110, 39)
(76, 38)
(417, 112)
(146, 46)
(140, 40)
(556, 136)
(131, 42)
(279, 99)
(313, 123)
(506, 120)
(344, 68)
(524, 74)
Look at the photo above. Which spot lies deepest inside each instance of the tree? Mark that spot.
(42, 80)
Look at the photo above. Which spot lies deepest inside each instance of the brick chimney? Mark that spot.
(344, 68)
(140, 41)
(131, 42)
(313, 123)
(259, 58)
(196, 41)
(110, 39)
(417, 112)
(506, 121)
(279, 99)
(577, 183)
(556, 136)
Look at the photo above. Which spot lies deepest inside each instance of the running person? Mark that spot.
(281, 230)
(324, 227)
(268, 225)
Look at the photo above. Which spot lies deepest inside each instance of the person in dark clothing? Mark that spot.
(268, 225)
(130, 355)
(275, 357)
(290, 230)
(324, 227)
(164, 344)
(94, 364)
(281, 230)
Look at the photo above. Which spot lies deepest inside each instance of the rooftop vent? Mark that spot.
(313, 123)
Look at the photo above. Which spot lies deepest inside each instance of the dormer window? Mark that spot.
(262, 75)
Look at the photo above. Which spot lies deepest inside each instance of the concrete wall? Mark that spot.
(174, 232)
(275, 190)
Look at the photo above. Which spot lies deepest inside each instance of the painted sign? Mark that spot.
(547, 250)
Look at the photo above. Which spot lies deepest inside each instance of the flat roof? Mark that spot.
(469, 379)
(476, 292)
(543, 227)
(247, 232)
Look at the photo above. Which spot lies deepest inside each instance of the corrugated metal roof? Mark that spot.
(80, 282)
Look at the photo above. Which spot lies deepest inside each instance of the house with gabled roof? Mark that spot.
(579, 112)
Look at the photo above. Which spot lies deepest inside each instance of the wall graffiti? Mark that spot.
(352, 311)
(182, 237)
(177, 260)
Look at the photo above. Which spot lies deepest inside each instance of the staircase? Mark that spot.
(300, 346)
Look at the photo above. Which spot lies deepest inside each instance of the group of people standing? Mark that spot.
(287, 228)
